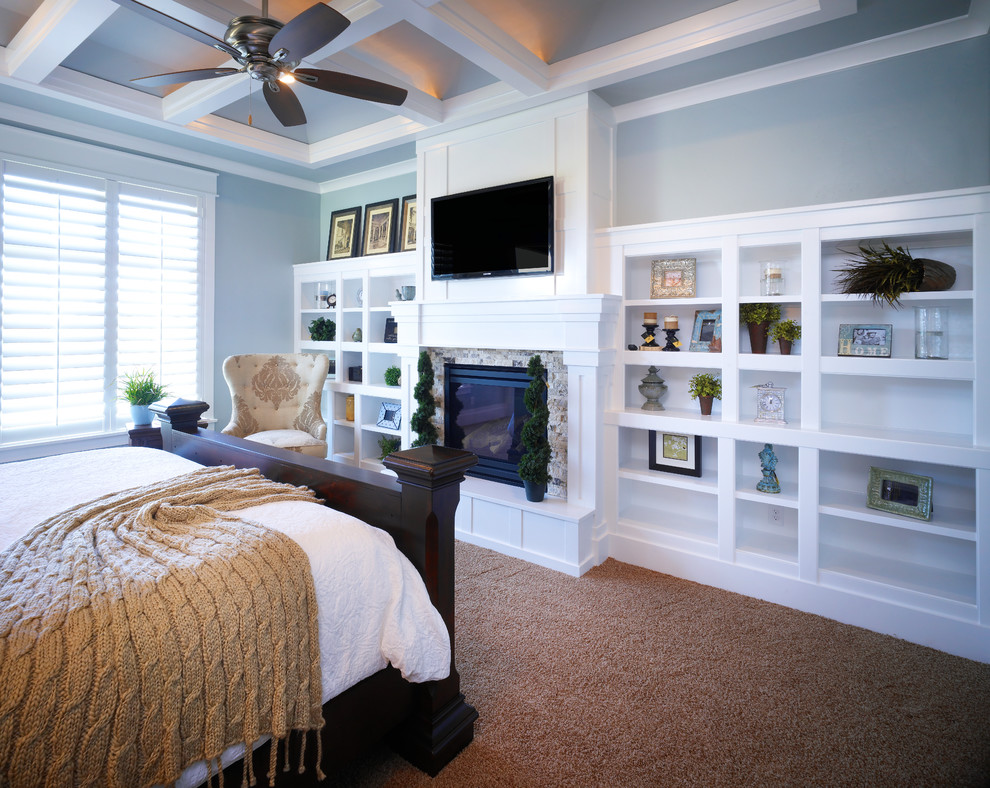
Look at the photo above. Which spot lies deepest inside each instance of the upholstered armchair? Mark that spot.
(276, 400)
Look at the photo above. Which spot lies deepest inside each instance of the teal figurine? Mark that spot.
(769, 482)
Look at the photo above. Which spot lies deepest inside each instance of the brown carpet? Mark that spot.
(627, 677)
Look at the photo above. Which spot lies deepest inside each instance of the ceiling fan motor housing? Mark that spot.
(251, 36)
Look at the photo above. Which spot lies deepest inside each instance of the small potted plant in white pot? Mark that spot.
(706, 387)
(785, 333)
(140, 389)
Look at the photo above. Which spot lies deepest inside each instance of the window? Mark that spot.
(97, 277)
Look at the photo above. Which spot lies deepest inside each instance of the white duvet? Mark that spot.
(373, 605)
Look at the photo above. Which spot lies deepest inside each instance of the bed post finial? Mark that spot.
(178, 414)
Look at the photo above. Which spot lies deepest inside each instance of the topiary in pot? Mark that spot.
(705, 387)
(422, 420)
(323, 329)
(534, 464)
(886, 274)
(392, 375)
(758, 318)
(785, 333)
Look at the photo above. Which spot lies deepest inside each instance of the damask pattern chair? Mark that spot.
(277, 399)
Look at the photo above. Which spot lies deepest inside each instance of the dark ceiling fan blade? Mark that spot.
(175, 77)
(310, 30)
(179, 27)
(285, 105)
(350, 85)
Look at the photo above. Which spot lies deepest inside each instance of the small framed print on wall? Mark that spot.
(675, 453)
(900, 493)
(380, 227)
(673, 278)
(707, 334)
(407, 235)
(345, 231)
(865, 340)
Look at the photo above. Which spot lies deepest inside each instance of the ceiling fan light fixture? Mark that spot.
(286, 78)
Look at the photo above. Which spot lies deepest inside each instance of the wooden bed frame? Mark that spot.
(428, 723)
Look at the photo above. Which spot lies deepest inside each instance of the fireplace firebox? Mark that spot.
(484, 413)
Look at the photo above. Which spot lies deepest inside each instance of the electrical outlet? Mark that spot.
(774, 515)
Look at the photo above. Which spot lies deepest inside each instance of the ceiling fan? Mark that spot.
(270, 52)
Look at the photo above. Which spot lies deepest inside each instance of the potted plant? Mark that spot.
(392, 376)
(140, 389)
(534, 464)
(758, 318)
(886, 274)
(785, 333)
(388, 445)
(706, 387)
(323, 329)
(422, 420)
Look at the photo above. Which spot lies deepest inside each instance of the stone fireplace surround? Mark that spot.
(575, 334)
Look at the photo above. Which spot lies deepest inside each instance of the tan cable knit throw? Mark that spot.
(150, 629)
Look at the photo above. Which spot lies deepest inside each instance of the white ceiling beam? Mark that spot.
(726, 27)
(477, 40)
(199, 99)
(367, 139)
(52, 33)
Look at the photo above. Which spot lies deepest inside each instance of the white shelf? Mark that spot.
(662, 479)
(906, 298)
(376, 278)
(944, 369)
(844, 414)
(953, 522)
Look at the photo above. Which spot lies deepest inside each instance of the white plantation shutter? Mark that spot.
(52, 304)
(97, 278)
(158, 285)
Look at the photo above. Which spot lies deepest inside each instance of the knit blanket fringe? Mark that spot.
(153, 628)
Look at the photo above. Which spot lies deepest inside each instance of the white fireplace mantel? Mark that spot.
(568, 535)
(566, 323)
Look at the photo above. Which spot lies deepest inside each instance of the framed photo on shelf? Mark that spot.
(391, 331)
(900, 493)
(390, 415)
(707, 334)
(673, 278)
(672, 452)
(380, 220)
(345, 232)
(865, 340)
(407, 236)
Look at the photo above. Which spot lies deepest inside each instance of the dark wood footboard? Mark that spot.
(428, 723)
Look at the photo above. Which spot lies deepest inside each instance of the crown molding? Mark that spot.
(369, 176)
(973, 25)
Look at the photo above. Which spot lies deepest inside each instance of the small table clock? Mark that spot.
(770, 403)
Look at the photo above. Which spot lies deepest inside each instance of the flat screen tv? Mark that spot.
(500, 231)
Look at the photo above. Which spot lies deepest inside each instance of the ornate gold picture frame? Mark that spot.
(673, 278)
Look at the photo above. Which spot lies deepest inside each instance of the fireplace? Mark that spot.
(484, 413)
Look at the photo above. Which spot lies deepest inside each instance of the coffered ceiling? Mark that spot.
(460, 61)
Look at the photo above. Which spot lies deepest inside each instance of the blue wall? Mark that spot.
(261, 232)
(915, 123)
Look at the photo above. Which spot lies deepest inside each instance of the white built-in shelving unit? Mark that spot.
(365, 287)
(816, 545)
